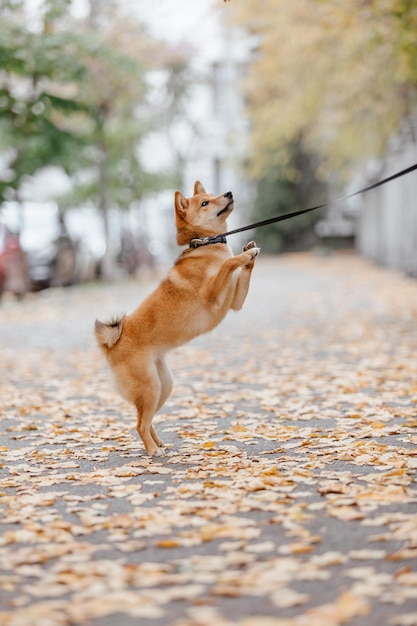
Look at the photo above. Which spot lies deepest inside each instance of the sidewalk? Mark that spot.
(288, 496)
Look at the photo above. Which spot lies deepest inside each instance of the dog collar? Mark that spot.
(196, 243)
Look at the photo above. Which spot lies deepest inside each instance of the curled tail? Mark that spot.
(108, 333)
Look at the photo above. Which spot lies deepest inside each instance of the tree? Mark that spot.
(32, 64)
(402, 18)
(108, 172)
(340, 75)
(277, 193)
(330, 82)
(74, 94)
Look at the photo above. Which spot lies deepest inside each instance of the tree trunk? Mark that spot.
(109, 261)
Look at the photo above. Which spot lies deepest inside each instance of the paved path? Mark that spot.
(288, 497)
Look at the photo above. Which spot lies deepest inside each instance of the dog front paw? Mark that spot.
(249, 245)
(250, 256)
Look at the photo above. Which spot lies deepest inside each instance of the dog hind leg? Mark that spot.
(138, 381)
(165, 378)
(146, 408)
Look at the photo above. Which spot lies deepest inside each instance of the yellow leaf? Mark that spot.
(238, 428)
(167, 543)
(209, 445)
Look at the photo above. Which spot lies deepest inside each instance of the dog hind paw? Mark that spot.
(157, 452)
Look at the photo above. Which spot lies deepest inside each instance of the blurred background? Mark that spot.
(108, 106)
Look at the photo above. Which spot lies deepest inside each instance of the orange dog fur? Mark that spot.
(202, 286)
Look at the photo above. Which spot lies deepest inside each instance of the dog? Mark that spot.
(205, 282)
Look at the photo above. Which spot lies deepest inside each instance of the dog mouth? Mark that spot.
(226, 209)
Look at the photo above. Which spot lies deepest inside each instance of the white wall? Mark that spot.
(387, 216)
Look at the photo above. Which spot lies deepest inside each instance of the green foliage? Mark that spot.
(279, 193)
(75, 96)
(342, 75)
(34, 64)
(404, 17)
(335, 79)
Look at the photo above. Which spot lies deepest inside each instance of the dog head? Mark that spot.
(202, 215)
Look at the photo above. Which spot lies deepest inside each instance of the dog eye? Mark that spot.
(204, 203)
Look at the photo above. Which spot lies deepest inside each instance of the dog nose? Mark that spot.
(229, 195)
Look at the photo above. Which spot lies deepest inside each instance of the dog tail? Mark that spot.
(108, 333)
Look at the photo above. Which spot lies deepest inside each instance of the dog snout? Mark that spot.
(229, 195)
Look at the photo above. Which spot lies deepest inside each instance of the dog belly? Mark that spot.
(202, 322)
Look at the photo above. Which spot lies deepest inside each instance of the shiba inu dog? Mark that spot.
(205, 282)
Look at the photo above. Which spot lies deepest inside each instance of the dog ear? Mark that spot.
(198, 188)
(181, 203)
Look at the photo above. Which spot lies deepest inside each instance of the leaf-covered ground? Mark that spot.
(288, 496)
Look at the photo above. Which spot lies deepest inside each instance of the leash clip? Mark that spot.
(205, 241)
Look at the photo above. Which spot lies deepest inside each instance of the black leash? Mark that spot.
(287, 216)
